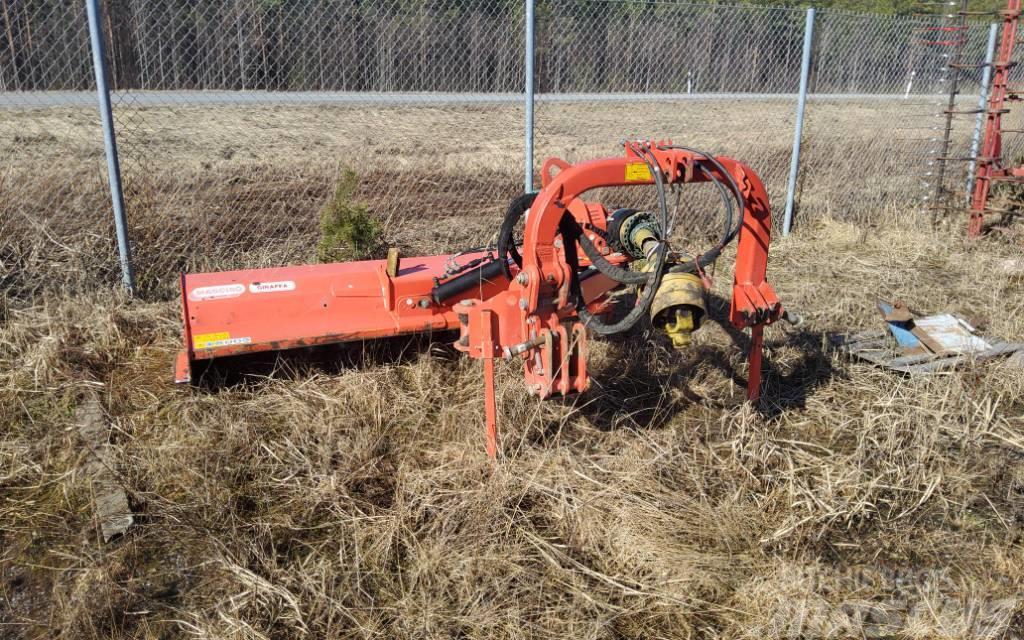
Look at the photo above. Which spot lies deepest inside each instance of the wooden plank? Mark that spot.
(944, 364)
(870, 345)
(917, 358)
(1001, 348)
(110, 500)
(874, 357)
(936, 365)
(871, 334)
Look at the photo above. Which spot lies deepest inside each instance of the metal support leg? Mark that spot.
(490, 402)
(756, 353)
(490, 409)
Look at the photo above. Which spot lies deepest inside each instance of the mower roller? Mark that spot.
(533, 300)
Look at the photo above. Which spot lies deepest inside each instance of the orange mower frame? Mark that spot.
(536, 309)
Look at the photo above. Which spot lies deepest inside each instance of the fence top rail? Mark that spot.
(703, 6)
(243, 98)
(758, 8)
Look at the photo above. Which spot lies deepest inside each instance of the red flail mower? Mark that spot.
(532, 300)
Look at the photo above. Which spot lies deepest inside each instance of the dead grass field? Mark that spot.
(217, 187)
(351, 498)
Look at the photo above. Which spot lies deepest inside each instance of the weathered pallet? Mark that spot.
(876, 347)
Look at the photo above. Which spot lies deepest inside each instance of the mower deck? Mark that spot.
(237, 312)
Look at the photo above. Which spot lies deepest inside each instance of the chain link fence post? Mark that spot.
(528, 62)
(99, 62)
(986, 77)
(801, 105)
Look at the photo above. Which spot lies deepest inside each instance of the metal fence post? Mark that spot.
(986, 78)
(99, 58)
(529, 52)
(801, 105)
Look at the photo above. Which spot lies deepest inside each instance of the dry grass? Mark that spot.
(352, 499)
(223, 187)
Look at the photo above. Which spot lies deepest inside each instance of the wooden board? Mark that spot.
(110, 500)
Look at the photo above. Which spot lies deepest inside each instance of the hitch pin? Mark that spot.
(516, 349)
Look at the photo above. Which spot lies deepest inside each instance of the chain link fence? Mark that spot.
(871, 133)
(236, 119)
(56, 230)
(721, 79)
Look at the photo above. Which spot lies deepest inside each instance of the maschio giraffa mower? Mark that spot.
(533, 300)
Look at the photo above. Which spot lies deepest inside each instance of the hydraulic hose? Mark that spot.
(736, 192)
(616, 273)
(475, 277)
(711, 255)
(506, 242)
(649, 281)
(653, 278)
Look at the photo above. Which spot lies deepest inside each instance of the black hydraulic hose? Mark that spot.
(730, 211)
(653, 280)
(506, 242)
(723, 194)
(737, 192)
(573, 233)
(711, 255)
(616, 273)
(488, 272)
(625, 276)
(643, 306)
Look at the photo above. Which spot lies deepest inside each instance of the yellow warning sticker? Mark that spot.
(204, 340)
(638, 172)
(219, 339)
